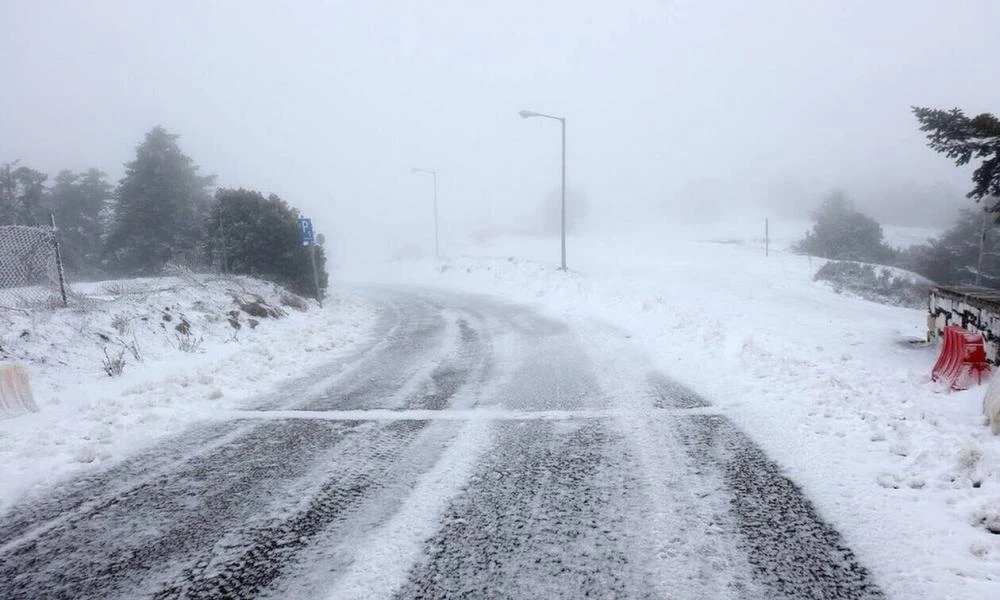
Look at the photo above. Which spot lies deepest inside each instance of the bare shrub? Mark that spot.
(114, 365)
(132, 346)
(878, 285)
(122, 323)
(187, 342)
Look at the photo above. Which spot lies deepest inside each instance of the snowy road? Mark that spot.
(472, 449)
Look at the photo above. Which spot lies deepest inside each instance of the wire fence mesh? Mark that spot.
(29, 268)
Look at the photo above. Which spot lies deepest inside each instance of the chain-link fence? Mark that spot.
(29, 268)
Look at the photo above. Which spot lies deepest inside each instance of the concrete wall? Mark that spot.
(947, 307)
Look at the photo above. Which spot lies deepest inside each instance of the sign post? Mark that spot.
(308, 239)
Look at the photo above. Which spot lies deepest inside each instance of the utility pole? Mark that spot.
(982, 245)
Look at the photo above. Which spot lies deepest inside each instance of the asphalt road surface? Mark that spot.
(472, 449)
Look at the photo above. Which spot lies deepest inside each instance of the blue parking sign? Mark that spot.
(305, 231)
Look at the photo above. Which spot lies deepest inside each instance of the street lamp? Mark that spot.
(434, 175)
(527, 114)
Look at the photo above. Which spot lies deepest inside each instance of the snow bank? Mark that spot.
(834, 387)
(187, 347)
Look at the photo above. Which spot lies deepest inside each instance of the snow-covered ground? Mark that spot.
(87, 419)
(831, 385)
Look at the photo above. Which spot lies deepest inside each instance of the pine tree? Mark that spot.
(259, 236)
(22, 192)
(953, 258)
(963, 139)
(160, 209)
(841, 232)
(78, 201)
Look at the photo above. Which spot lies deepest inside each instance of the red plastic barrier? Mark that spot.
(962, 360)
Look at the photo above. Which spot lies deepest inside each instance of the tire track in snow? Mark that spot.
(114, 547)
(258, 555)
(791, 549)
(676, 504)
(225, 499)
(545, 516)
(682, 521)
(76, 497)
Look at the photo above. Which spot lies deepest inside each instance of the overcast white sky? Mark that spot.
(671, 103)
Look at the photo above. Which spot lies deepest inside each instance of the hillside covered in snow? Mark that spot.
(131, 361)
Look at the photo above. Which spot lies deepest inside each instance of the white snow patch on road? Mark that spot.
(829, 385)
(87, 419)
(381, 566)
(472, 414)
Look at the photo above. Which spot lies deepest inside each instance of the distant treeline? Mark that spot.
(162, 212)
(842, 232)
(968, 252)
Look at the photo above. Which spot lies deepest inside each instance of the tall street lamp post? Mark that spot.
(527, 114)
(434, 175)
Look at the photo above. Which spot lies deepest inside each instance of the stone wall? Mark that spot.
(971, 308)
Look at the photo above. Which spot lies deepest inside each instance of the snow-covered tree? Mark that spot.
(842, 232)
(22, 192)
(965, 139)
(256, 235)
(160, 209)
(953, 258)
(78, 201)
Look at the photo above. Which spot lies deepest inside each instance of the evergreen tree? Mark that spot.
(78, 202)
(843, 233)
(953, 258)
(22, 192)
(963, 139)
(160, 209)
(254, 235)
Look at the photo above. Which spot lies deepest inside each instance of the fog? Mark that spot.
(679, 110)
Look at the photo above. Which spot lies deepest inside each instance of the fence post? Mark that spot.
(312, 259)
(59, 263)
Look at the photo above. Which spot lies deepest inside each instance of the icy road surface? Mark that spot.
(473, 449)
